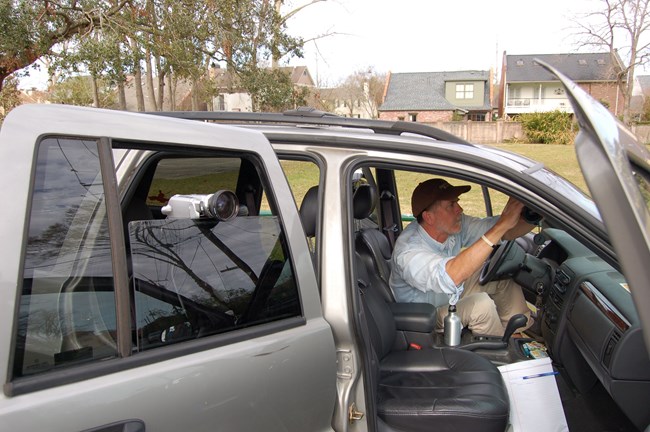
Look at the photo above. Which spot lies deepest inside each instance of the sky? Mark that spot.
(423, 35)
(430, 35)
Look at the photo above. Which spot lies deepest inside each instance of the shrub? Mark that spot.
(555, 127)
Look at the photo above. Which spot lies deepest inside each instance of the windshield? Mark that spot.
(568, 190)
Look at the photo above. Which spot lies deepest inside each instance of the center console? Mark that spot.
(416, 323)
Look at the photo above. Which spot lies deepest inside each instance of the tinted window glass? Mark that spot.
(190, 276)
(67, 312)
(197, 276)
(192, 176)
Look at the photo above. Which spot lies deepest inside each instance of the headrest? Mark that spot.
(364, 201)
(309, 211)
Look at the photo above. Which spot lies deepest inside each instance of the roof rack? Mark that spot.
(311, 116)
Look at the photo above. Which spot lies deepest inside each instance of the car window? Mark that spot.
(190, 276)
(192, 176)
(301, 175)
(472, 202)
(66, 317)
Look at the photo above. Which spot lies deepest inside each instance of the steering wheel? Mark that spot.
(505, 261)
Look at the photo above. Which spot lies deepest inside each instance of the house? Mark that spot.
(33, 96)
(527, 87)
(640, 101)
(346, 101)
(339, 101)
(430, 97)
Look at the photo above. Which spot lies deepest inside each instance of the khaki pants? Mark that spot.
(486, 309)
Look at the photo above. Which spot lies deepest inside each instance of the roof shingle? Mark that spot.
(425, 91)
(578, 67)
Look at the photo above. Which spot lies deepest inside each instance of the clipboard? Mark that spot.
(535, 403)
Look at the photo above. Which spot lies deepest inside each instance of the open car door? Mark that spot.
(617, 171)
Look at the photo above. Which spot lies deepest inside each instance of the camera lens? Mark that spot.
(223, 205)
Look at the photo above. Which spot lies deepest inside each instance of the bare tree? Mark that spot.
(620, 27)
(276, 53)
(362, 92)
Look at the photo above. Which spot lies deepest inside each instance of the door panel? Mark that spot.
(226, 327)
(617, 171)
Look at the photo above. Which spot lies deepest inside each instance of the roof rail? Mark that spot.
(311, 116)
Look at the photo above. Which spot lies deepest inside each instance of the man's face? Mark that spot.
(446, 215)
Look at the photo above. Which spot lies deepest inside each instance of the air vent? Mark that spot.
(562, 280)
(609, 349)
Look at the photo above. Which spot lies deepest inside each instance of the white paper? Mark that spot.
(535, 403)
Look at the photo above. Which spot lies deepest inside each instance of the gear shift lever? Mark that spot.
(515, 322)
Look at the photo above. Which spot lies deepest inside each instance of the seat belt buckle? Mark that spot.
(415, 346)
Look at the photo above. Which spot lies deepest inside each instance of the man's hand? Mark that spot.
(509, 226)
(510, 216)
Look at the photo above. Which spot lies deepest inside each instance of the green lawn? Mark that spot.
(559, 158)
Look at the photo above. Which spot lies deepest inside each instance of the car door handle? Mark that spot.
(131, 425)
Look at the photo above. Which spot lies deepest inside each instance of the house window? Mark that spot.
(476, 117)
(221, 103)
(400, 118)
(464, 91)
(413, 117)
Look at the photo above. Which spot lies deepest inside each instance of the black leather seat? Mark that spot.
(370, 242)
(309, 211)
(435, 389)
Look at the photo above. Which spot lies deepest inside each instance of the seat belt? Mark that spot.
(388, 221)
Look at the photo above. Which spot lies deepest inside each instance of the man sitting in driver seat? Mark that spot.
(438, 260)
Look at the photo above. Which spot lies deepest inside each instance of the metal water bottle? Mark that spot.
(453, 327)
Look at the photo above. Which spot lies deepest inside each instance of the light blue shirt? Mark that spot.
(419, 262)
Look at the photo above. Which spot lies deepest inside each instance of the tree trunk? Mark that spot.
(137, 82)
(161, 84)
(172, 102)
(149, 77)
(195, 95)
(95, 91)
(121, 96)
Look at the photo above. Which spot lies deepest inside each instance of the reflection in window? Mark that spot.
(193, 278)
(192, 176)
(643, 182)
(67, 312)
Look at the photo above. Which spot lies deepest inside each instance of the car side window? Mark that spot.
(472, 202)
(301, 175)
(67, 312)
(195, 277)
(190, 277)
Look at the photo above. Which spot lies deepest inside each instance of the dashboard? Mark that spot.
(591, 326)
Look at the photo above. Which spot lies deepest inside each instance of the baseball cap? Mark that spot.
(430, 191)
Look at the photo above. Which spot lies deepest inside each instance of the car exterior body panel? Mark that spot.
(146, 386)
